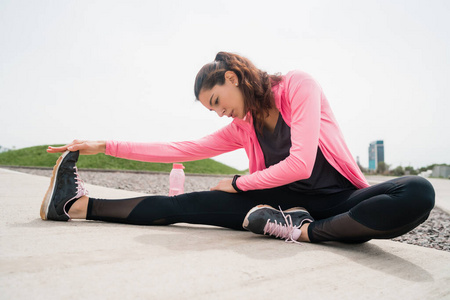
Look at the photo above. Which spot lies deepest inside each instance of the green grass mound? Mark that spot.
(38, 157)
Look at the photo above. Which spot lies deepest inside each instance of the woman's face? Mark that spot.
(225, 100)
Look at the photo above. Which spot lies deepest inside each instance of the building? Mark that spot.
(376, 154)
(441, 172)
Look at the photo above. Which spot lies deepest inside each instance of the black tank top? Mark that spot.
(324, 178)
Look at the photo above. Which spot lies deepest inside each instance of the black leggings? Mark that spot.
(382, 211)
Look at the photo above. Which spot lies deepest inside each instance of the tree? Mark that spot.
(382, 167)
(398, 171)
(363, 170)
(410, 171)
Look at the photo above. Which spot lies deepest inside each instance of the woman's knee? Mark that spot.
(420, 191)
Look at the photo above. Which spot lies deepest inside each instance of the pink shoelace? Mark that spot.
(288, 231)
(81, 189)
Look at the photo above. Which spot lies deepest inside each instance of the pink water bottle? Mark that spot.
(176, 179)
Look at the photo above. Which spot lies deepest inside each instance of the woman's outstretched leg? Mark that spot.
(209, 207)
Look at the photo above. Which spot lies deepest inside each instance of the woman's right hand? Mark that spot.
(85, 147)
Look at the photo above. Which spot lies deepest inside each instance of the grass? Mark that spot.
(38, 157)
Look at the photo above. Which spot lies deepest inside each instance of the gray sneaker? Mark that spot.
(65, 186)
(264, 219)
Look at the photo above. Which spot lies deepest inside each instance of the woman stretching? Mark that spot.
(304, 184)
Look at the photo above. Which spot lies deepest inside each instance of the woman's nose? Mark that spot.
(220, 112)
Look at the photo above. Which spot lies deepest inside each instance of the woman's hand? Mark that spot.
(85, 147)
(225, 186)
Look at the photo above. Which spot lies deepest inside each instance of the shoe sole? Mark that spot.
(258, 207)
(48, 196)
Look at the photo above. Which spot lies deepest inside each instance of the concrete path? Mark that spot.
(87, 260)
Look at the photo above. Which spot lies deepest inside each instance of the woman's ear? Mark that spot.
(231, 77)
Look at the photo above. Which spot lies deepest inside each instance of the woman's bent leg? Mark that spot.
(382, 211)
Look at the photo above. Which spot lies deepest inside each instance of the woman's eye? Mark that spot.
(217, 101)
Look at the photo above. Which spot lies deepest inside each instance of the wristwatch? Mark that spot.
(233, 183)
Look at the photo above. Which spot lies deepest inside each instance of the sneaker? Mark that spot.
(65, 186)
(264, 219)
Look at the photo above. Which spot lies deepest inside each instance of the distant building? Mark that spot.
(441, 171)
(376, 154)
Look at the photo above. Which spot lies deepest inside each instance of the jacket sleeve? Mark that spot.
(304, 97)
(221, 141)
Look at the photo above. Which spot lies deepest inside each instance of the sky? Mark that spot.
(124, 70)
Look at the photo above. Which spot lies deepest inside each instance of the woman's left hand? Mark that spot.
(225, 186)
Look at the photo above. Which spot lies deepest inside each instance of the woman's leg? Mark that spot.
(209, 207)
(382, 211)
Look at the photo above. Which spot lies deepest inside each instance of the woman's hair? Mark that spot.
(256, 85)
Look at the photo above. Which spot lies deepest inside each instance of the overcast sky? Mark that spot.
(125, 70)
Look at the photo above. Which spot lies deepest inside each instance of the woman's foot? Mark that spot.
(264, 219)
(65, 186)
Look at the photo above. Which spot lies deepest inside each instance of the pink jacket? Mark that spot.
(305, 110)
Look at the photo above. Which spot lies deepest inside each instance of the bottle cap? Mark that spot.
(178, 166)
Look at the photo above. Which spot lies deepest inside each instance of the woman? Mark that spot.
(299, 162)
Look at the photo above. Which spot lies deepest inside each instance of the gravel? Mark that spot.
(433, 233)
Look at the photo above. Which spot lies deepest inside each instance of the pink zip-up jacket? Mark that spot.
(305, 110)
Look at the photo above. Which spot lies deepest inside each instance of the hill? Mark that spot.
(38, 157)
